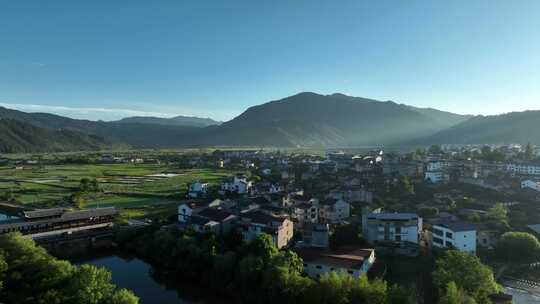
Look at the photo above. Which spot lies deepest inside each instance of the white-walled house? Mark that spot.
(454, 234)
(236, 185)
(185, 211)
(354, 262)
(392, 227)
(530, 184)
(436, 177)
(197, 189)
(523, 169)
(334, 210)
(255, 223)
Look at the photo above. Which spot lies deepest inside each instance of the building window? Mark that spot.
(449, 235)
(318, 267)
(437, 241)
(437, 232)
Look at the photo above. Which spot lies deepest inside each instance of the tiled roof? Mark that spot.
(456, 225)
(214, 214)
(393, 216)
(34, 214)
(349, 259)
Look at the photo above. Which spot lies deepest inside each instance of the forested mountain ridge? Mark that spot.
(302, 120)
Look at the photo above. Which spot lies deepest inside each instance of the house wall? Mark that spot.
(285, 234)
(184, 213)
(315, 270)
(394, 231)
(462, 240)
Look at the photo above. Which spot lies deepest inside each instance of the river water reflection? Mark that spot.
(135, 275)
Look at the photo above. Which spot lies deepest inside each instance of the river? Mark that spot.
(521, 296)
(135, 275)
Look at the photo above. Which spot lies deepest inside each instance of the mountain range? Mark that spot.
(184, 121)
(302, 120)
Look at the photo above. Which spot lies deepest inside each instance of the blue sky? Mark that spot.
(105, 59)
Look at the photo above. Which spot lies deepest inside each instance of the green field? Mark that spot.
(126, 186)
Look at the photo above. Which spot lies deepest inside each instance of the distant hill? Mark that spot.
(302, 120)
(137, 135)
(310, 119)
(517, 127)
(20, 137)
(185, 121)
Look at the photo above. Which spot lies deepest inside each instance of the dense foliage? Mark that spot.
(252, 272)
(518, 247)
(28, 274)
(467, 273)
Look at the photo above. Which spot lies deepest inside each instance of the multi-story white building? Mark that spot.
(524, 169)
(334, 210)
(436, 177)
(454, 234)
(236, 185)
(392, 227)
(437, 165)
(530, 184)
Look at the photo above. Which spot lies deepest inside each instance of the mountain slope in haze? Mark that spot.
(305, 119)
(310, 119)
(447, 119)
(20, 137)
(137, 135)
(184, 121)
(516, 127)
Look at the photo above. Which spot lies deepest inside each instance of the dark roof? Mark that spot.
(199, 220)
(329, 201)
(349, 259)
(88, 213)
(456, 225)
(66, 216)
(271, 208)
(260, 200)
(261, 218)
(40, 213)
(214, 214)
(393, 216)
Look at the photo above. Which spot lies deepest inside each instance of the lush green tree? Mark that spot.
(346, 235)
(529, 152)
(405, 185)
(91, 285)
(7, 195)
(455, 295)
(88, 185)
(3, 269)
(518, 247)
(398, 294)
(428, 211)
(498, 212)
(31, 275)
(467, 272)
(263, 247)
(77, 201)
(123, 296)
(435, 149)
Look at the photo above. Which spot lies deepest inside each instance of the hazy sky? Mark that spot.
(103, 59)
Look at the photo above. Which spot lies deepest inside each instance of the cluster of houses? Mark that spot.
(276, 204)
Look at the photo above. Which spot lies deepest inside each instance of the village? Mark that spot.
(374, 213)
